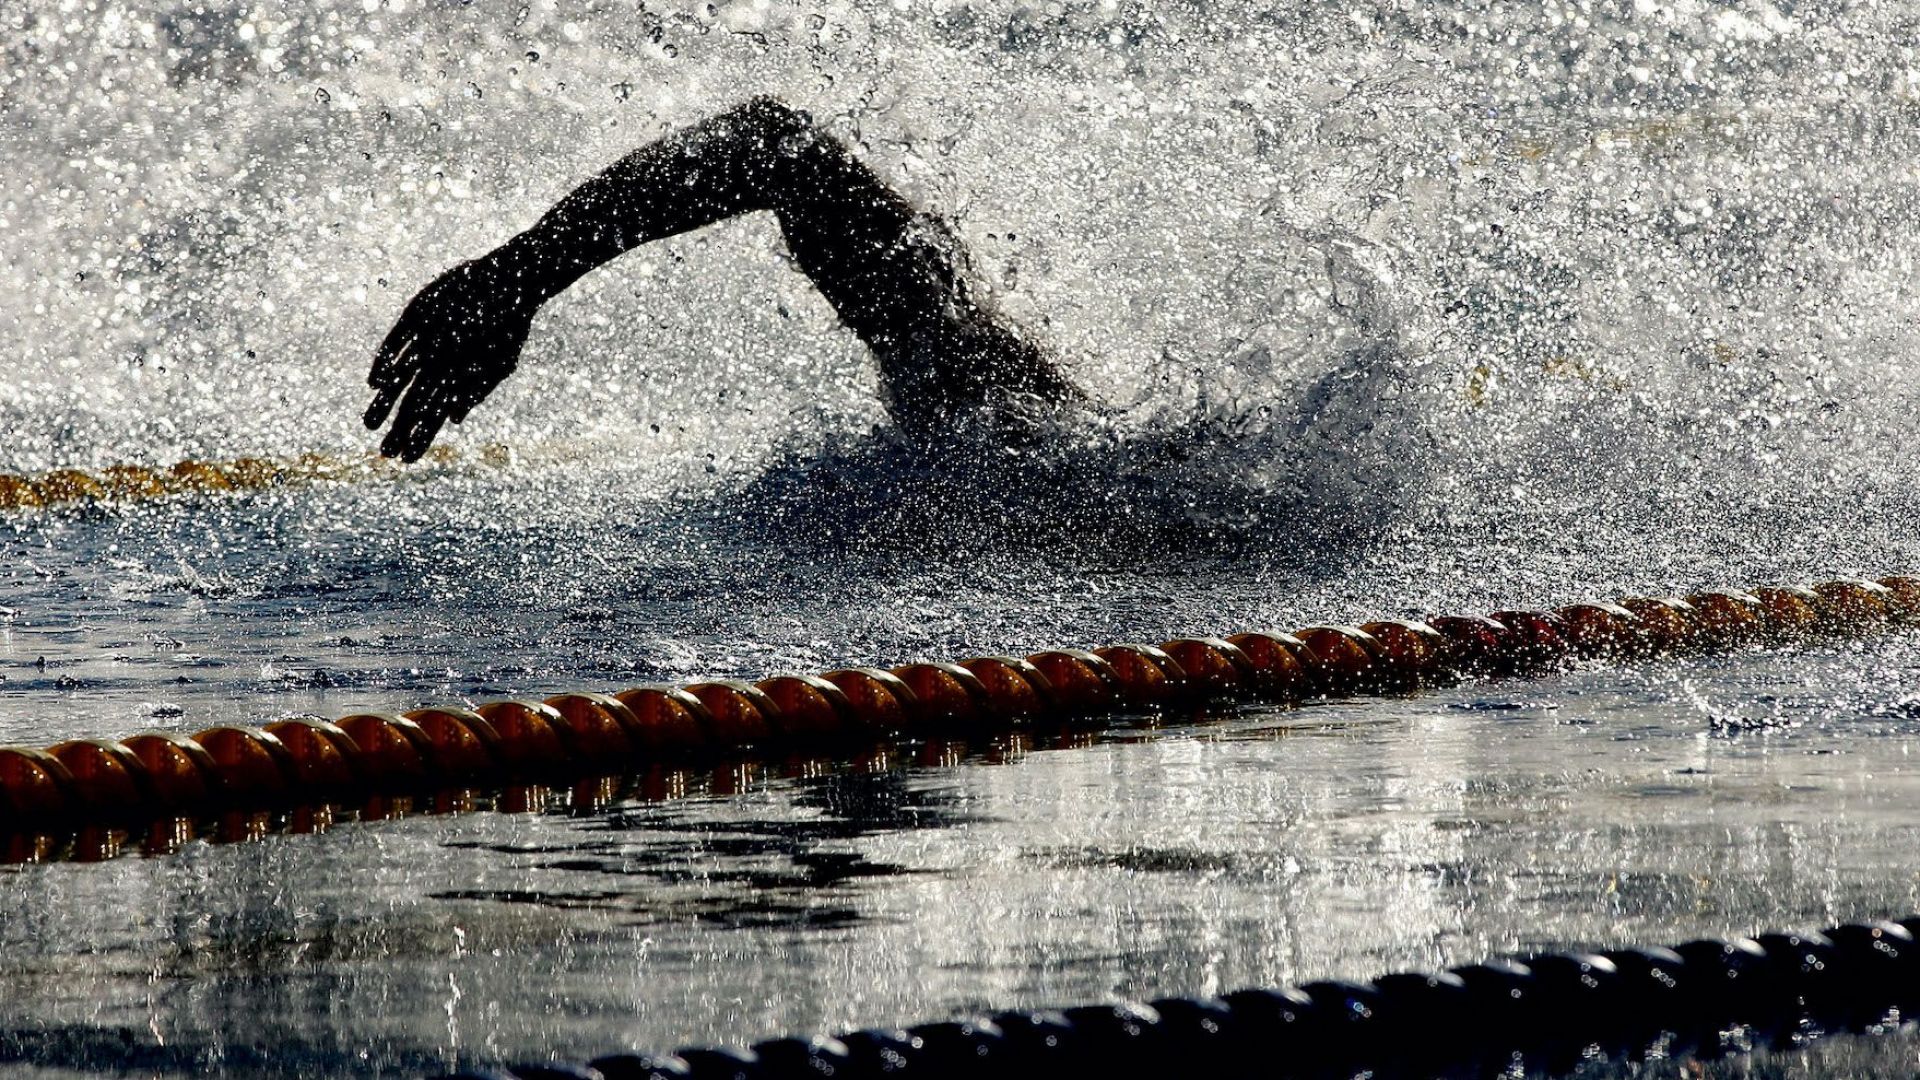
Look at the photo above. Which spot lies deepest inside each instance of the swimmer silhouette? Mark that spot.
(897, 277)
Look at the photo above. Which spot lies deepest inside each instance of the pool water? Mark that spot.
(1609, 806)
(1386, 309)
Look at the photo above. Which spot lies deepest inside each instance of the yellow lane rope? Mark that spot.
(129, 483)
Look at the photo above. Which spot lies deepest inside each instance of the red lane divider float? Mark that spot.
(373, 758)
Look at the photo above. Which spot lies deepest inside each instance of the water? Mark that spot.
(1395, 309)
(1337, 840)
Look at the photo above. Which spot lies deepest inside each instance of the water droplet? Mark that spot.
(669, 50)
(320, 95)
(533, 56)
(474, 91)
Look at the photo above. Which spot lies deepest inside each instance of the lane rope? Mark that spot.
(719, 776)
(134, 483)
(1551, 1013)
(369, 759)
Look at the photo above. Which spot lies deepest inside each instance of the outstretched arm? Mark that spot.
(856, 238)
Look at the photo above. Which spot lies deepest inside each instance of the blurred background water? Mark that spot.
(1396, 308)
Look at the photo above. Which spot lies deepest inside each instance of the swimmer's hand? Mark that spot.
(455, 342)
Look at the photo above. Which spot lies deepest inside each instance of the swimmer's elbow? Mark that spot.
(769, 113)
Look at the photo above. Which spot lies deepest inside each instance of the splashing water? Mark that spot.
(1491, 260)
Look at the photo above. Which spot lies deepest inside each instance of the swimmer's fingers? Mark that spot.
(398, 356)
(383, 400)
(435, 399)
(394, 366)
(418, 421)
(454, 343)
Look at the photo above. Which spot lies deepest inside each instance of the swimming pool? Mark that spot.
(1397, 312)
(1649, 803)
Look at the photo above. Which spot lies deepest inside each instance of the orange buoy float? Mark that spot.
(667, 720)
(451, 800)
(312, 466)
(881, 703)
(1602, 631)
(1083, 682)
(1853, 605)
(107, 777)
(166, 835)
(94, 843)
(465, 746)
(393, 749)
(1476, 645)
(251, 472)
(952, 698)
(596, 727)
(1411, 651)
(1345, 656)
(36, 790)
(250, 766)
(1535, 641)
(1791, 613)
(1149, 677)
(180, 772)
(244, 771)
(18, 493)
(1019, 692)
(326, 760)
(68, 485)
(1282, 664)
(1877, 591)
(742, 713)
(1728, 619)
(132, 482)
(1903, 597)
(1669, 622)
(197, 476)
(810, 706)
(523, 799)
(530, 736)
(1216, 669)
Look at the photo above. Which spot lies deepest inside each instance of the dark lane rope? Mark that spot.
(1540, 1014)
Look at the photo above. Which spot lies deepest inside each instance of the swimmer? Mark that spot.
(897, 277)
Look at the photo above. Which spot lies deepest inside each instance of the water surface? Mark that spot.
(1393, 310)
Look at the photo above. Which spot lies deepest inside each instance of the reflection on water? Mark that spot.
(1593, 809)
(667, 865)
